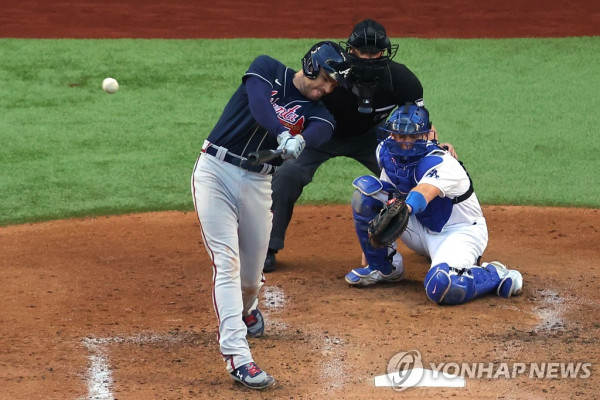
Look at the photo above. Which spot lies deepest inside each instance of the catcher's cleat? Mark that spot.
(255, 323)
(252, 376)
(511, 280)
(270, 261)
(367, 276)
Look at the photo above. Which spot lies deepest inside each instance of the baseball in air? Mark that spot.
(110, 85)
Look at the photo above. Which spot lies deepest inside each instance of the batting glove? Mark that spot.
(283, 137)
(293, 146)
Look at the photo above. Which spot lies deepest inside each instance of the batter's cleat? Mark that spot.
(270, 261)
(255, 323)
(252, 376)
(511, 280)
(367, 276)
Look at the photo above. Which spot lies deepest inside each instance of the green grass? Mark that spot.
(520, 112)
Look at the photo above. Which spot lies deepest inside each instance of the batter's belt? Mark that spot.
(221, 153)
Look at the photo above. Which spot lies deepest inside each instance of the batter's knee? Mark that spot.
(446, 285)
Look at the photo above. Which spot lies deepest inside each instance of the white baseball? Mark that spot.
(110, 85)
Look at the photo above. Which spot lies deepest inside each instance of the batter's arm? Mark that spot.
(259, 102)
(317, 133)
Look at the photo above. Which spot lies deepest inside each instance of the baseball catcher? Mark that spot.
(424, 196)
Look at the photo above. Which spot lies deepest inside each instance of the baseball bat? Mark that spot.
(262, 156)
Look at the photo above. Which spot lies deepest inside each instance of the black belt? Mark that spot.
(241, 162)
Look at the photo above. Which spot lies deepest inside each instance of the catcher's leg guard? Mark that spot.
(447, 285)
(383, 264)
(364, 208)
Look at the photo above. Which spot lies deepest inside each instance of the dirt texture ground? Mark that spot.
(119, 307)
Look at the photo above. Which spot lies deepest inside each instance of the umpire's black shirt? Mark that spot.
(396, 87)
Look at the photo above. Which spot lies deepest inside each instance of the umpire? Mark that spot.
(380, 86)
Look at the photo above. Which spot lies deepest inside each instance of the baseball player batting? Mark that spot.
(445, 224)
(275, 109)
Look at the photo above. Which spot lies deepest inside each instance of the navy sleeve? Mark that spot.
(317, 133)
(259, 101)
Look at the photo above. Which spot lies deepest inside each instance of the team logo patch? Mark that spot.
(433, 174)
(290, 118)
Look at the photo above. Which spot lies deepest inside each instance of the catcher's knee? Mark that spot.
(368, 199)
(445, 285)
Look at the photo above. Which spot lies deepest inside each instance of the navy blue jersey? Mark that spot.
(238, 130)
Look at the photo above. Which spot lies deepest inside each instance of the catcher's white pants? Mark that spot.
(458, 245)
(233, 207)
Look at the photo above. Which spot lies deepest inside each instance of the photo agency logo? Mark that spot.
(406, 369)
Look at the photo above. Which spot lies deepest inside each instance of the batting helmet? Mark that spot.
(329, 56)
(408, 120)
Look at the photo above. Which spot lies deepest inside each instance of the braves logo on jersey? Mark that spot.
(288, 116)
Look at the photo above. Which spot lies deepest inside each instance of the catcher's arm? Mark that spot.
(392, 220)
(420, 196)
(446, 146)
(450, 148)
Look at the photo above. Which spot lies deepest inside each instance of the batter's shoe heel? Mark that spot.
(255, 323)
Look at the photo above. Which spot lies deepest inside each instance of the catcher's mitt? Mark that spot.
(386, 227)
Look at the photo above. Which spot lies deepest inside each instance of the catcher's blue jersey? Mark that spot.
(458, 203)
(240, 133)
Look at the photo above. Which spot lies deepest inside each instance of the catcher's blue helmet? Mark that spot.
(408, 120)
(332, 58)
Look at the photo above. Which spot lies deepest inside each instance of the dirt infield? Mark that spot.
(119, 307)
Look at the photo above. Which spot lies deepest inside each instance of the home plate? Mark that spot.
(420, 377)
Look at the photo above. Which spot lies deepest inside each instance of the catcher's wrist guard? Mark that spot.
(416, 201)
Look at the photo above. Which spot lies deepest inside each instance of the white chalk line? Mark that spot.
(100, 377)
(99, 374)
(551, 313)
(333, 369)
